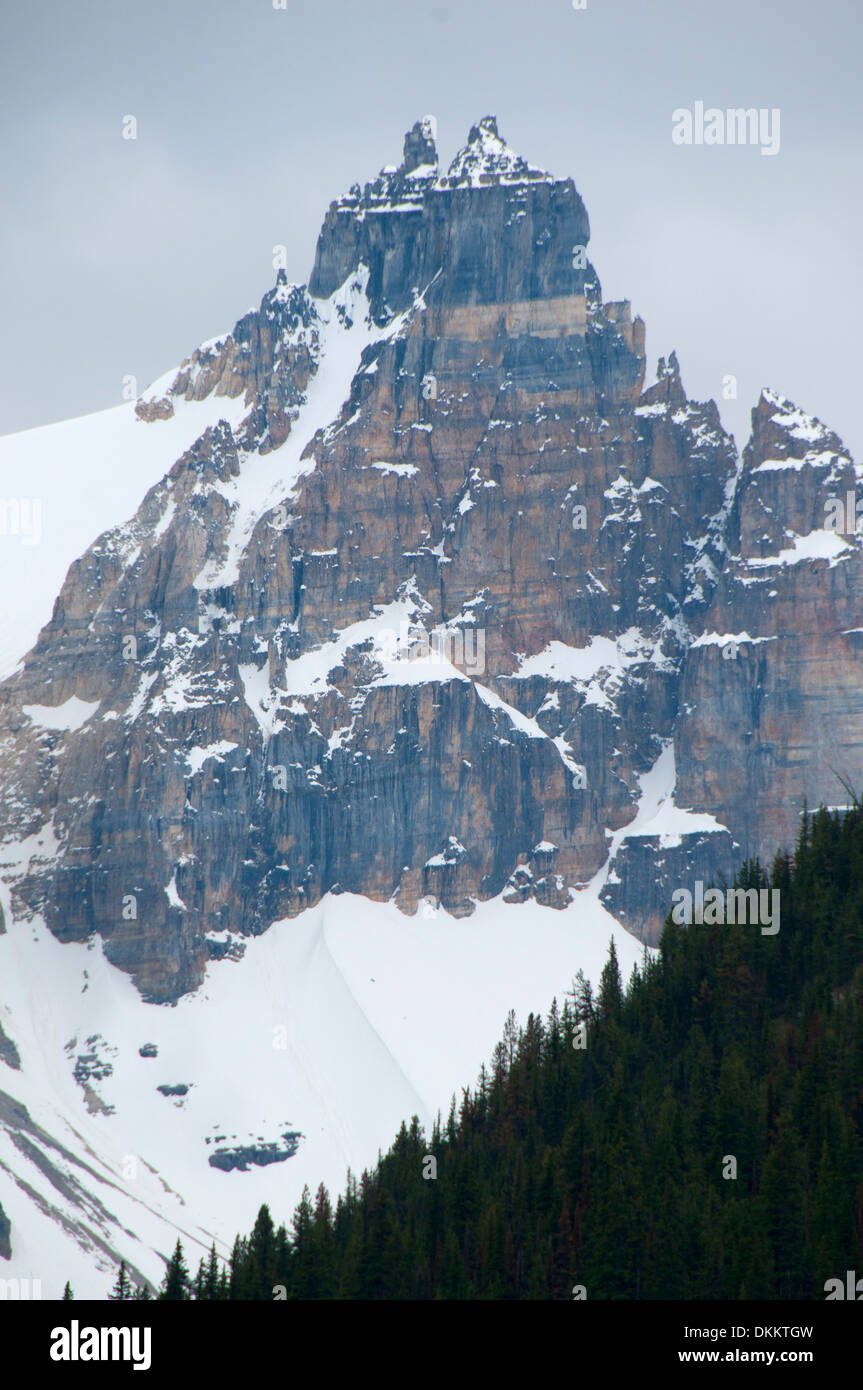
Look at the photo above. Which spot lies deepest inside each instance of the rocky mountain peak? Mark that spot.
(794, 450)
(668, 387)
(669, 368)
(429, 607)
(487, 158)
(790, 426)
(522, 240)
(450, 560)
(486, 129)
(420, 151)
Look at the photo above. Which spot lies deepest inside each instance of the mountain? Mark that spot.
(435, 637)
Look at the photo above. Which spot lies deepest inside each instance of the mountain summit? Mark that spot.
(446, 437)
(487, 158)
(437, 612)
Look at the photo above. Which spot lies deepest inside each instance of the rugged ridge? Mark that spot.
(443, 618)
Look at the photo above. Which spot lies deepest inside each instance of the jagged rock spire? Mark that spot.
(669, 368)
(419, 148)
(487, 126)
(668, 386)
(487, 158)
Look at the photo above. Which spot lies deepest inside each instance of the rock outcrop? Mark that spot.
(9, 1052)
(445, 617)
(5, 1236)
(772, 696)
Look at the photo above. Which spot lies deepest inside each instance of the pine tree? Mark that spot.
(122, 1291)
(238, 1283)
(68, 1294)
(262, 1257)
(301, 1244)
(610, 989)
(211, 1276)
(176, 1284)
(581, 995)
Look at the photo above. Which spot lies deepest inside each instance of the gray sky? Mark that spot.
(117, 256)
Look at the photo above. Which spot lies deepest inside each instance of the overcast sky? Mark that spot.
(118, 256)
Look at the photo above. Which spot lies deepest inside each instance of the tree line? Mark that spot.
(694, 1133)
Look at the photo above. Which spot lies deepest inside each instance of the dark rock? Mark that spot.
(646, 874)
(419, 147)
(242, 1156)
(5, 1236)
(9, 1052)
(94, 1065)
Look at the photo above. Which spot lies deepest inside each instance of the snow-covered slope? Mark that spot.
(62, 485)
(332, 1029)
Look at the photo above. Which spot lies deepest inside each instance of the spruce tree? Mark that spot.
(176, 1284)
(211, 1276)
(262, 1257)
(610, 990)
(122, 1290)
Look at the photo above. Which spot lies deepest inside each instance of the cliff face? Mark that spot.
(437, 619)
(772, 698)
